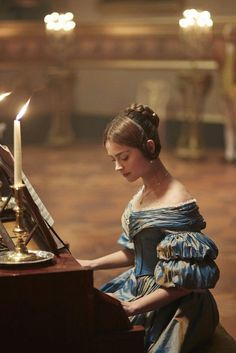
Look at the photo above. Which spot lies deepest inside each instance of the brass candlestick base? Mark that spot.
(15, 257)
(21, 255)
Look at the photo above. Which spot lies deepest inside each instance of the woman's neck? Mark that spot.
(156, 176)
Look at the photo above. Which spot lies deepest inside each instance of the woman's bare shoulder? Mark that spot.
(177, 192)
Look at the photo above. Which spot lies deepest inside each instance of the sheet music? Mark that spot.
(43, 210)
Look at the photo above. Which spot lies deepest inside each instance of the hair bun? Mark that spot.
(134, 126)
(143, 111)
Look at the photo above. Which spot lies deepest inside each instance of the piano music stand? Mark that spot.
(37, 218)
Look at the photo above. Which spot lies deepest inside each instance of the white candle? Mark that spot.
(17, 154)
(17, 146)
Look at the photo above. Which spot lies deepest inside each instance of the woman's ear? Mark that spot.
(151, 147)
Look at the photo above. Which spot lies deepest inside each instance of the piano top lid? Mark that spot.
(64, 262)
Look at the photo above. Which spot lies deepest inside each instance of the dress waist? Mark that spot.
(144, 268)
(145, 245)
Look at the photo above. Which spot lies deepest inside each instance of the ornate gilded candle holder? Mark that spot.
(21, 255)
(21, 252)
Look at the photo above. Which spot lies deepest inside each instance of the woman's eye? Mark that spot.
(125, 158)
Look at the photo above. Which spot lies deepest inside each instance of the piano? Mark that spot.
(53, 306)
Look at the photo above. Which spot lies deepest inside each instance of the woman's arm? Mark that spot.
(153, 301)
(121, 258)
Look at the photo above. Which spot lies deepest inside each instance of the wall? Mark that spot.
(101, 92)
(89, 10)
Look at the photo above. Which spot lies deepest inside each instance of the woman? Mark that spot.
(166, 290)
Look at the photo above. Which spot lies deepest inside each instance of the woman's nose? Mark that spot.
(118, 166)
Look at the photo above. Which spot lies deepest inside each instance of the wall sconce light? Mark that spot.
(196, 30)
(59, 28)
(194, 86)
(60, 34)
(60, 22)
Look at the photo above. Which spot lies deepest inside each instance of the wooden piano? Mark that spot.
(53, 306)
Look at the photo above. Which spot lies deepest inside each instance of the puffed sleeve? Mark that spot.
(125, 241)
(186, 259)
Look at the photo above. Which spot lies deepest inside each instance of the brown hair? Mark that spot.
(134, 127)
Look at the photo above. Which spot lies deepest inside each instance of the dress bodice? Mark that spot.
(168, 243)
(170, 251)
(184, 216)
(145, 245)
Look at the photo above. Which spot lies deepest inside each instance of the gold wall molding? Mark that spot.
(141, 6)
(170, 65)
(26, 43)
(29, 59)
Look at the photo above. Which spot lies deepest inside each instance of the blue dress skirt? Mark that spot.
(170, 252)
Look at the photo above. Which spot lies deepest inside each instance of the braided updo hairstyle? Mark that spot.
(134, 127)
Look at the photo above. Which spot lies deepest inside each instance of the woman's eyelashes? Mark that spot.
(120, 158)
(124, 157)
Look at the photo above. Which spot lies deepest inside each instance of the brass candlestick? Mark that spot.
(21, 252)
(21, 255)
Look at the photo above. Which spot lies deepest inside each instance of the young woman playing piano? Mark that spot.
(171, 261)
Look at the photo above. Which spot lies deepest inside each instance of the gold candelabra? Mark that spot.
(60, 35)
(21, 255)
(18, 252)
(195, 32)
(21, 252)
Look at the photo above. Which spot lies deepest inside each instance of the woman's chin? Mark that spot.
(130, 178)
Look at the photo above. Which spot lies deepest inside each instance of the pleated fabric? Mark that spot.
(170, 252)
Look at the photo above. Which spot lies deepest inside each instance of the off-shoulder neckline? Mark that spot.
(178, 205)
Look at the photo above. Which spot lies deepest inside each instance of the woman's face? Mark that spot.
(129, 161)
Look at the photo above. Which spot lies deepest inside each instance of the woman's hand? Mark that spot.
(154, 301)
(129, 307)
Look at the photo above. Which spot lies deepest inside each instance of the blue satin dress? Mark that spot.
(170, 252)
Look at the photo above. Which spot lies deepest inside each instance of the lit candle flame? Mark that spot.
(4, 95)
(23, 110)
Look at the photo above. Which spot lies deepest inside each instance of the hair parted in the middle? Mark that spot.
(134, 127)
